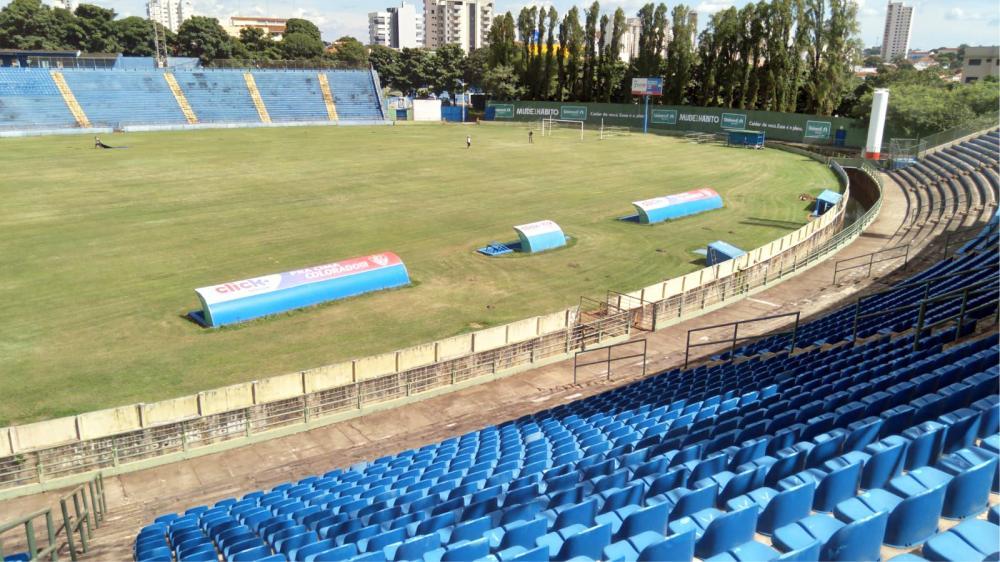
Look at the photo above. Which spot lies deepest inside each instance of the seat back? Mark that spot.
(787, 507)
(652, 518)
(727, 531)
(887, 458)
(589, 543)
(860, 540)
(523, 533)
(675, 548)
(694, 501)
(838, 485)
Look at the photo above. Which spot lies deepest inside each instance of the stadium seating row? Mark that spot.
(29, 98)
(830, 454)
(949, 190)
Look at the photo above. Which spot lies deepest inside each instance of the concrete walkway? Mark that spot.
(135, 499)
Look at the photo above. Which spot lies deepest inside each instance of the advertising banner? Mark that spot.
(790, 127)
(652, 86)
(238, 301)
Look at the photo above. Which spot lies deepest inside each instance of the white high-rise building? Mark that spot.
(896, 38)
(464, 22)
(397, 27)
(169, 13)
(66, 4)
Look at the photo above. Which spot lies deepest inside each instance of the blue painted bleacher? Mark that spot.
(291, 96)
(354, 95)
(830, 454)
(29, 100)
(218, 96)
(113, 97)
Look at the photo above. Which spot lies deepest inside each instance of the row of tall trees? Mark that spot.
(781, 55)
(32, 25)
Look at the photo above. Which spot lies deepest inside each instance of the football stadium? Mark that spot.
(292, 314)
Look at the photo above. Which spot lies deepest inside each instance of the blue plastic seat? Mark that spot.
(777, 509)
(962, 429)
(717, 531)
(972, 471)
(305, 553)
(683, 501)
(970, 540)
(926, 444)
(836, 481)
(886, 459)
(913, 501)
(588, 543)
(846, 542)
(652, 547)
(251, 555)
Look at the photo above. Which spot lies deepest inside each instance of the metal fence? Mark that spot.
(981, 123)
(113, 451)
(799, 257)
(82, 510)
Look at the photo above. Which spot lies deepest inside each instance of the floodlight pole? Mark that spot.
(645, 116)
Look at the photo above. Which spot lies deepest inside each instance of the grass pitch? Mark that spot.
(102, 249)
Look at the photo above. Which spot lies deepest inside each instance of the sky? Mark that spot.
(936, 23)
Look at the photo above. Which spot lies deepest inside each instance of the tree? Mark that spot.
(203, 37)
(589, 53)
(501, 83)
(550, 54)
(415, 66)
(301, 45)
(259, 44)
(299, 25)
(98, 25)
(475, 67)
(349, 51)
(28, 24)
(571, 38)
(385, 61)
(447, 68)
(502, 48)
(136, 36)
(680, 57)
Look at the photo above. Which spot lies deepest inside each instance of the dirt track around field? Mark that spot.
(135, 499)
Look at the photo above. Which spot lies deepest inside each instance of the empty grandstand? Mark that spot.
(834, 453)
(37, 99)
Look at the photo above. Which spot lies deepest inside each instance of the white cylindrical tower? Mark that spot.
(876, 125)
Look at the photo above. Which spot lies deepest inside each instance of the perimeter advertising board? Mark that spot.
(791, 127)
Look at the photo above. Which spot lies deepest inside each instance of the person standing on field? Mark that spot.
(468, 142)
(531, 136)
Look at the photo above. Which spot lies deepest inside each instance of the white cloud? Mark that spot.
(955, 13)
(712, 6)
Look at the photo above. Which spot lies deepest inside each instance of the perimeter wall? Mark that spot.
(789, 127)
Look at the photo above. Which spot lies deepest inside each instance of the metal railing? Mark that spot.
(734, 340)
(958, 238)
(175, 438)
(925, 284)
(979, 124)
(888, 254)
(988, 288)
(83, 510)
(610, 359)
(310, 64)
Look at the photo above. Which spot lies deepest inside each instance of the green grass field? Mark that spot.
(102, 250)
